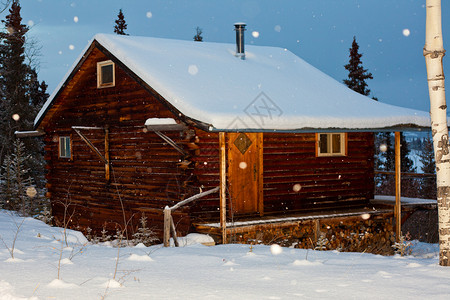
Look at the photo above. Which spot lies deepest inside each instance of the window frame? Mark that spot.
(100, 65)
(62, 140)
(329, 153)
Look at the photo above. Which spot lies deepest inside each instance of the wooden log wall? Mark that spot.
(206, 171)
(146, 174)
(296, 180)
(289, 160)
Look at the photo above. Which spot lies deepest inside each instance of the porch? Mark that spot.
(366, 229)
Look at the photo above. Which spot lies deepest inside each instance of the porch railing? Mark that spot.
(169, 226)
(406, 173)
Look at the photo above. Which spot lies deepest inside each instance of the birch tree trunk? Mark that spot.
(434, 53)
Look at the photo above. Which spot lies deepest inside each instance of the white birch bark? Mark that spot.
(434, 53)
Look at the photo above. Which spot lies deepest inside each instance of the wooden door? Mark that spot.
(245, 172)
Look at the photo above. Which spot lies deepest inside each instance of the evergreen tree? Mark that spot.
(21, 94)
(426, 157)
(410, 185)
(388, 162)
(385, 183)
(15, 181)
(12, 81)
(198, 35)
(384, 161)
(407, 165)
(121, 25)
(357, 75)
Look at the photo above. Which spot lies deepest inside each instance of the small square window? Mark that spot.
(331, 144)
(105, 74)
(65, 147)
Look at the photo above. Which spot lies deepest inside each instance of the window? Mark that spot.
(65, 147)
(331, 144)
(105, 74)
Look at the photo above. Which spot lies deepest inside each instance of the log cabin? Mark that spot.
(139, 124)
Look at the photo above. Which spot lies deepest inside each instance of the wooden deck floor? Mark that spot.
(380, 207)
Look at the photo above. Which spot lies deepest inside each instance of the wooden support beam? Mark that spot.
(195, 197)
(22, 134)
(167, 225)
(223, 187)
(107, 164)
(88, 142)
(316, 230)
(398, 208)
(260, 147)
(169, 141)
(174, 232)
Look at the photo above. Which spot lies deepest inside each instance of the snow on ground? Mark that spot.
(200, 272)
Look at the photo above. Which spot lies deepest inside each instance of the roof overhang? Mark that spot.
(31, 133)
(206, 111)
(399, 128)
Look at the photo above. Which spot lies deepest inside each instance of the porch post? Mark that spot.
(107, 164)
(223, 187)
(398, 208)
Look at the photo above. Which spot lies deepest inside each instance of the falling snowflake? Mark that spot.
(365, 216)
(149, 14)
(255, 34)
(71, 47)
(277, 28)
(193, 69)
(406, 32)
(30, 23)
(31, 191)
(383, 147)
(297, 187)
(276, 249)
(16, 117)
(75, 19)
(243, 165)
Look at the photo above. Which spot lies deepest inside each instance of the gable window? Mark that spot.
(105, 74)
(331, 144)
(65, 147)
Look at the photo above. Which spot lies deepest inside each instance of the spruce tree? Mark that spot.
(357, 75)
(426, 157)
(21, 94)
(385, 162)
(388, 161)
(15, 181)
(121, 25)
(198, 34)
(410, 185)
(407, 165)
(12, 81)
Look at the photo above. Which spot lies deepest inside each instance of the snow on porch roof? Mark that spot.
(271, 89)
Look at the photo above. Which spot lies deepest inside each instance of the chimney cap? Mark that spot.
(239, 24)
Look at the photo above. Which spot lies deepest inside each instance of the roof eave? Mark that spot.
(399, 128)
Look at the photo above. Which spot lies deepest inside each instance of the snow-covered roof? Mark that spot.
(271, 89)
